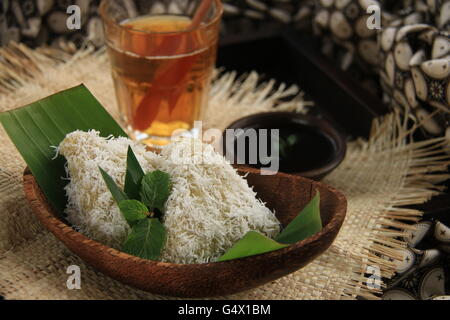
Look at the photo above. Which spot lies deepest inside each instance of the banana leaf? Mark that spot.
(251, 244)
(306, 224)
(36, 129)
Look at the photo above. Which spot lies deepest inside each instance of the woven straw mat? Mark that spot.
(377, 177)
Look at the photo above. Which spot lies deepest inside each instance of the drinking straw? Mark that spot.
(174, 74)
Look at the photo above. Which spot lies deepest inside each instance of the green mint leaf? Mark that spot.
(282, 146)
(155, 189)
(306, 224)
(146, 239)
(133, 211)
(133, 176)
(116, 192)
(292, 140)
(253, 243)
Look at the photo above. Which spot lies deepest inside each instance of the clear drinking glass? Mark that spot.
(161, 63)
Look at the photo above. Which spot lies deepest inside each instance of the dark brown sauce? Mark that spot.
(312, 149)
(302, 147)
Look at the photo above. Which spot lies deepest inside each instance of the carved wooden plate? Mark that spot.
(286, 194)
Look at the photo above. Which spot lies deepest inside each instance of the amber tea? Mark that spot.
(159, 89)
(161, 67)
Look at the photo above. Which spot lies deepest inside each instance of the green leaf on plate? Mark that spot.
(253, 243)
(155, 189)
(306, 224)
(37, 128)
(117, 194)
(146, 239)
(133, 176)
(133, 211)
(292, 139)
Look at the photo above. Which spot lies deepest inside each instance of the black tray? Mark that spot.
(294, 58)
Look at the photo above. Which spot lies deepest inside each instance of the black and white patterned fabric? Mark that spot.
(341, 24)
(415, 73)
(38, 22)
(408, 57)
(424, 272)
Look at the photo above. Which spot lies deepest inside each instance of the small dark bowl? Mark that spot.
(324, 147)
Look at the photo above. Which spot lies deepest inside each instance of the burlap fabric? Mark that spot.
(377, 177)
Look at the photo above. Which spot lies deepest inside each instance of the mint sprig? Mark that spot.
(117, 194)
(133, 211)
(155, 190)
(133, 176)
(146, 239)
(144, 193)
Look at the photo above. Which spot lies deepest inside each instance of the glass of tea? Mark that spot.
(162, 56)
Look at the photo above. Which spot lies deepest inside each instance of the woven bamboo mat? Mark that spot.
(377, 177)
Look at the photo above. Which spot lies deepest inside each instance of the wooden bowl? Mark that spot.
(286, 194)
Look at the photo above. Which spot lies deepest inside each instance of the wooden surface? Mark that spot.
(286, 194)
